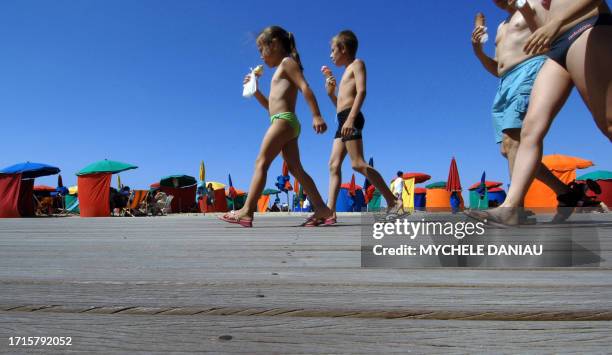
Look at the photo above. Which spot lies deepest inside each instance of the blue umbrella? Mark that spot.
(482, 188)
(30, 170)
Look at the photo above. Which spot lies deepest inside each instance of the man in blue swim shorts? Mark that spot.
(516, 72)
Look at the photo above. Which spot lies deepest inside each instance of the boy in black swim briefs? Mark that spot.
(348, 137)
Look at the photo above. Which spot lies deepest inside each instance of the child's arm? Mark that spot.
(543, 37)
(330, 86)
(488, 63)
(359, 71)
(258, 95)
(296, 76)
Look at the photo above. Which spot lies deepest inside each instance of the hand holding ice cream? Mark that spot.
(330, 81)
(479, 23)
(249, 86)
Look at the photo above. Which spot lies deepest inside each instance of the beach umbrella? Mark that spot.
(44, 188)
(267, 192)
(106, 166)
(418, 177)
(596, 175)
(73, 190)
(436, 185)
(352, 186)
(59, 181)
(285, 169)
(482, 188)
(177, 181)
(297, 187)
(453, 183)
(215, 185)
(29, 170)
(118, 182)
(202, 171)
(559, 162)
(488, 184)
(232, 190)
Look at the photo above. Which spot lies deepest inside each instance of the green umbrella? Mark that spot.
(177, 181)
(106, 166)
(436, 185)
(596, 175)
(270, 192)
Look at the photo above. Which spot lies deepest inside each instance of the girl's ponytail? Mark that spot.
(293, 50)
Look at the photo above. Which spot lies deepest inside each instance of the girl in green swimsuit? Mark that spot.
(277, 49)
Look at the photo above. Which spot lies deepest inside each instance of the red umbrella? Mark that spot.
(43, 188)
(453, 183)
(285, 169)
(369, 193)
(352, 186)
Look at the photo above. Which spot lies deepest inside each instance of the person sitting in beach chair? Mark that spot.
(137, 204)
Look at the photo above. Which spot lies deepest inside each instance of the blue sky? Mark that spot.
(158, 84)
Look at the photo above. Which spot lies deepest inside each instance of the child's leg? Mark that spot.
(291, 154)
(335, 172)
(355, 151)
(276, 137)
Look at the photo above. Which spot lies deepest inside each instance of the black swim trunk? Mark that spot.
(359, 123)
(558, 49)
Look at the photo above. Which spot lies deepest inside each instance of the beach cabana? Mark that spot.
(17, 185)
(562, 166)
(483, 202)
(350, 198)
(436, 196)
(93, 183)
(420, 198)
(219, 200)
(604, 179)
(182, 187)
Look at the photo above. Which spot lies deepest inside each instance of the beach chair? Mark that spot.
(166, 208)
(135, 207)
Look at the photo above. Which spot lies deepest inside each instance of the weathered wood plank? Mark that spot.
(129, 333)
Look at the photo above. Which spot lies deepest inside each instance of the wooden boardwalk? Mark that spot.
(191, 283)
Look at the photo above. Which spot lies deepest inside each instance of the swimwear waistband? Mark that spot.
(522, 64)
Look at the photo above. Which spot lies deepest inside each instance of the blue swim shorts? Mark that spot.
(512, 98)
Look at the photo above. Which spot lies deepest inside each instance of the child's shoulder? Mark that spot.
(357, 64)
(289, 63)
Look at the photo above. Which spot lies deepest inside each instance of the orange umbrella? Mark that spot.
(285, 169)
(453, 183)
(561, 162)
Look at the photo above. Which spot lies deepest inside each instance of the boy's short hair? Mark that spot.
(347, 40)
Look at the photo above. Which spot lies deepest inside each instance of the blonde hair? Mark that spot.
(346, 39)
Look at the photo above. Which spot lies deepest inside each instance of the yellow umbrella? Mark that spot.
(118, 182)
(216, 185)
(73, 190)
(202, 171)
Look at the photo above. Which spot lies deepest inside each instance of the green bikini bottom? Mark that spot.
(291, 118)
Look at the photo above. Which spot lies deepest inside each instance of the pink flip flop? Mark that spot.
(312, 222)
(231, 217)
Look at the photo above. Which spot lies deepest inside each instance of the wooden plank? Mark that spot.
(131, 333)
